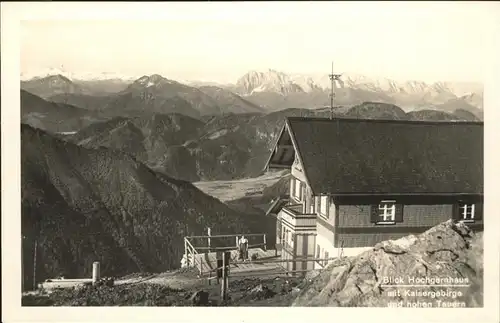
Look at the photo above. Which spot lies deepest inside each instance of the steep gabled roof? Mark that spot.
(357, 156)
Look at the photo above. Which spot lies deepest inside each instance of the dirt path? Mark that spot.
(172, 289)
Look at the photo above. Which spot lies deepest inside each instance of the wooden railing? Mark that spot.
(296, 210)
(191, 251)
(210, 238)
(270, 261)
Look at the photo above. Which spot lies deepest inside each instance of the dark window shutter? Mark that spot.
(456, 212)
(293, 186)
(478, 211)
(399, 213)
(374, 214)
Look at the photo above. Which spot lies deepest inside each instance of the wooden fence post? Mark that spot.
(34, 264)
(219, 265)
(225, 279)
(96, 272)
(209, 240)
(265, 242)
(186, 252)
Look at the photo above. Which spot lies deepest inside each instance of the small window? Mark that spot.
(324, 205)
(325, 262)
(387, 212)
(318, 251)
(467, 212)
(298, 189)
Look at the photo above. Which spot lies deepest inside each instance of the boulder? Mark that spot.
(447, 254)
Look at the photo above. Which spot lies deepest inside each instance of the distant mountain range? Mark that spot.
(150, 94)
(256, 91)
(274, 88)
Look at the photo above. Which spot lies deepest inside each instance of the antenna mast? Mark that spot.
(333, 78)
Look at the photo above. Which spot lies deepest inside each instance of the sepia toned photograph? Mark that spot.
(329, 157)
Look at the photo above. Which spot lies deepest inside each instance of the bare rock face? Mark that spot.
(428, 269)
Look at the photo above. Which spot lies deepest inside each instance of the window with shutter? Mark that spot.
(385, 213)
(478, 212)
(326, 257)
(467, 212)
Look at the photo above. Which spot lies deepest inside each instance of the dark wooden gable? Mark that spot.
(283, 154)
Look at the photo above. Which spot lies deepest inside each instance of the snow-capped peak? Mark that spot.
(282, 83)
(154, 80)
(270, 80)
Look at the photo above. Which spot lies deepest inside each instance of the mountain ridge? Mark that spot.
(273, 90)
(222, 147)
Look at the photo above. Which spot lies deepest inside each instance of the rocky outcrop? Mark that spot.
(442, 267)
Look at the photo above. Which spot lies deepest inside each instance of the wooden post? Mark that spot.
(225, 279)
(191, 257)
(219, 264)
(209, 240)
(186, 252)
(96, 272)
(34, 264)
(265, 243)
(237, 247)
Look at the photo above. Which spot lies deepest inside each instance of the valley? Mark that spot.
(236, 189)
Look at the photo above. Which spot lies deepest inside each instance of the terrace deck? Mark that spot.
(209, 263)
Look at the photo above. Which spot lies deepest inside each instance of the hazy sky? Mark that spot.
(222, 41)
